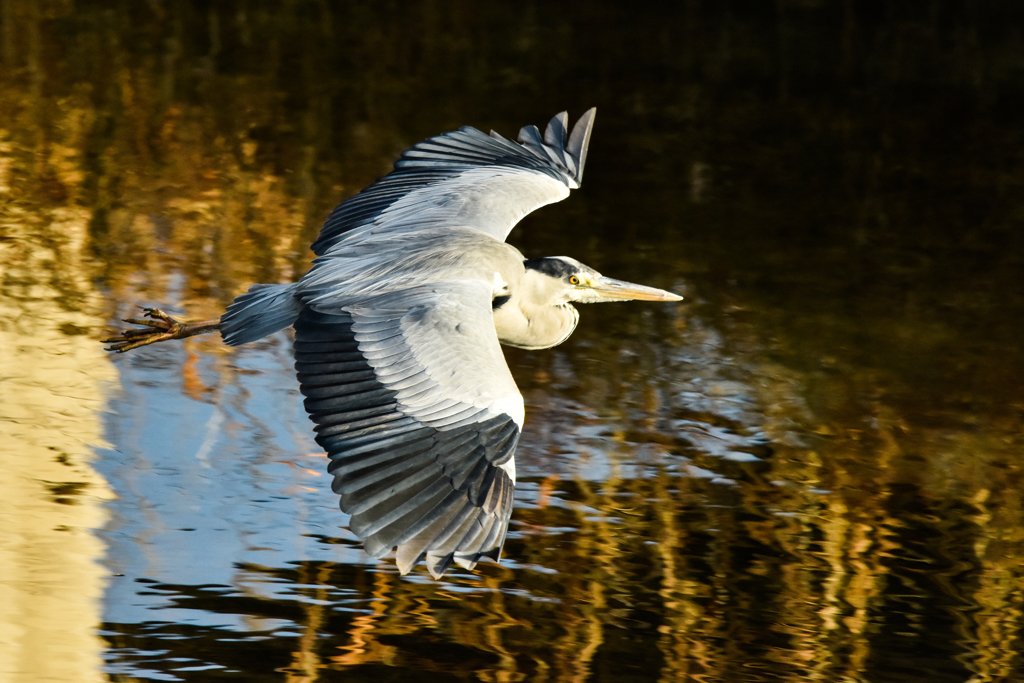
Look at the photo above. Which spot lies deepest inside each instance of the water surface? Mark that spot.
(808, 470)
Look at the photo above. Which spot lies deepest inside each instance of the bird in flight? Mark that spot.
(398, 326)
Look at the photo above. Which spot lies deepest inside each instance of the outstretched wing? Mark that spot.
(467, 178)
(420, 416)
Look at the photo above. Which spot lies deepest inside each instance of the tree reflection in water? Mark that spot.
(811, 471)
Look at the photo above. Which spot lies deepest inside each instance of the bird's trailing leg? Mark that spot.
(160, 327)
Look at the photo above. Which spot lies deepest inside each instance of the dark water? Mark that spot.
(809, 470)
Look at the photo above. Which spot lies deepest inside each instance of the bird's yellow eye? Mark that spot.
(573, 280)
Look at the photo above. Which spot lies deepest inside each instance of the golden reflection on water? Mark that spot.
(53, 387)
(870, 535)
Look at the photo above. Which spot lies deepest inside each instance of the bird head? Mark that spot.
(565, 280)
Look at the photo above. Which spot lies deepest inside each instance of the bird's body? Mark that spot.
(397, 332)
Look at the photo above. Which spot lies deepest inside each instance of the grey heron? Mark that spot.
(397, 330)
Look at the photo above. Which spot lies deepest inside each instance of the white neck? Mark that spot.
(534, 317)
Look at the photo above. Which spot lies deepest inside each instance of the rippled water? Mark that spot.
(808, 470)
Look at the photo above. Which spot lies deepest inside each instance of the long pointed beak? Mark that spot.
(617, 290)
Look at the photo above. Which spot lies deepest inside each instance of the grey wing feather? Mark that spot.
(469, 179)
(556, 133)
(420, 417)
(579, 140)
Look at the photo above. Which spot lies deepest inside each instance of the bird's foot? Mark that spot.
(159, 327)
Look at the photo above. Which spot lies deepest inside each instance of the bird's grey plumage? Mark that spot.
(421, 456)
(470, 179)
(397, 331)
(261, 311)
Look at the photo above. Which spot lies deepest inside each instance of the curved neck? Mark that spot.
(530, 326)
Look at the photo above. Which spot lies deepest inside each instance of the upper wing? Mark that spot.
(420, 416)
(467, 178)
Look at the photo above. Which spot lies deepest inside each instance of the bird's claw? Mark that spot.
(159, 327)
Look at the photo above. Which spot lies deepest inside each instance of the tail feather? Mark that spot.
(261, 311)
